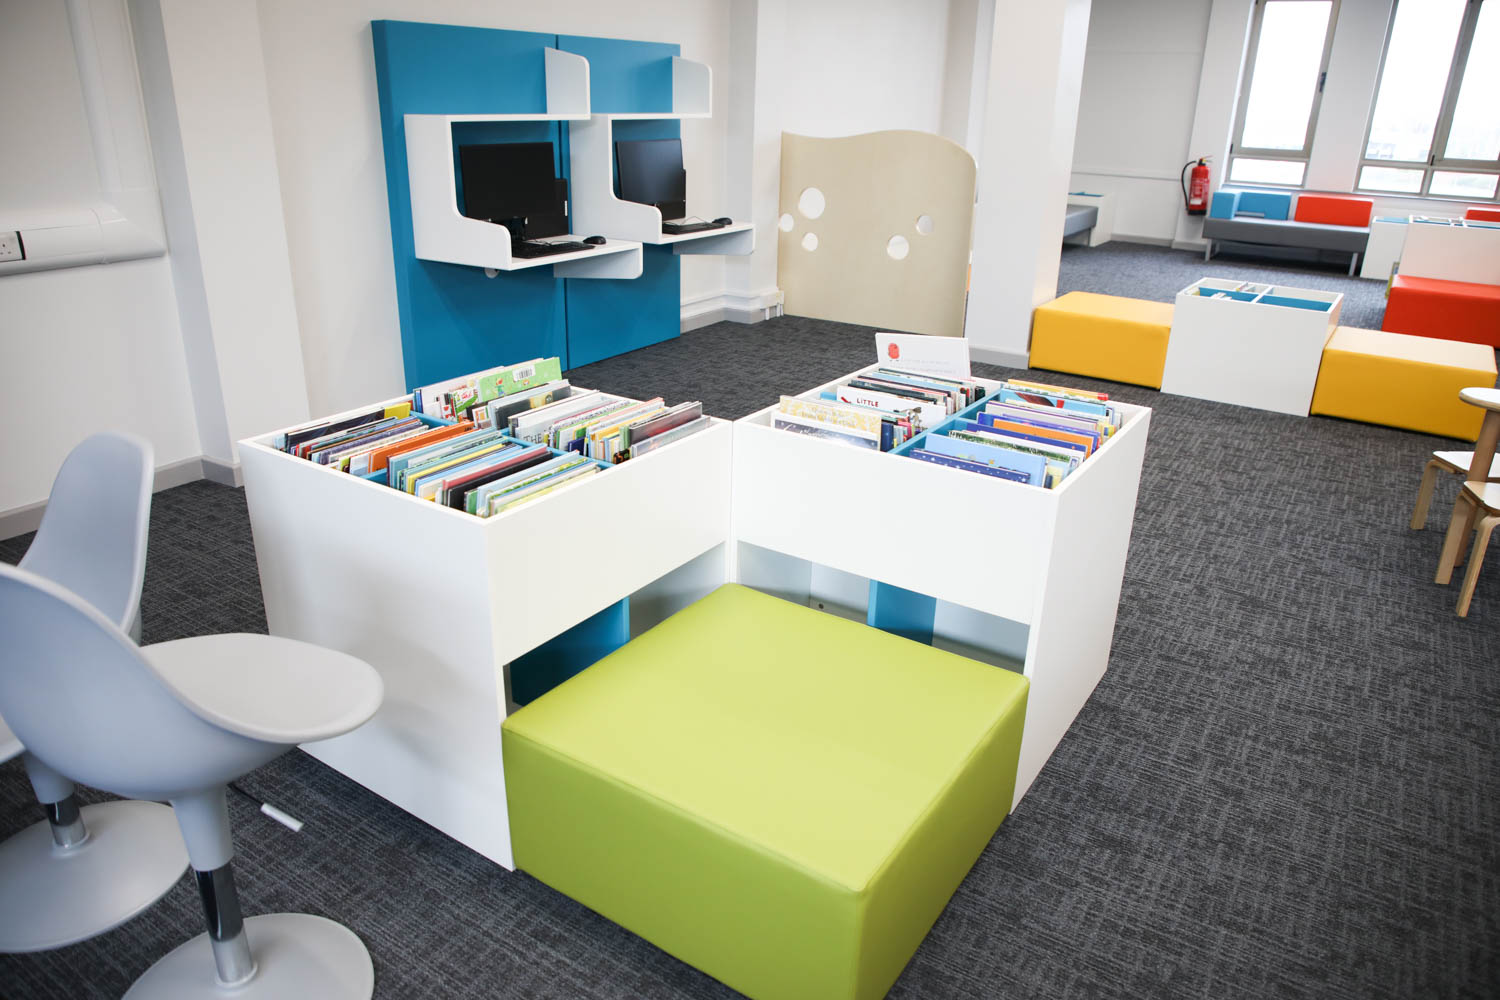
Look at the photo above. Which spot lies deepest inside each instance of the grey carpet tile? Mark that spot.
(1139, 271)
(1283, 787)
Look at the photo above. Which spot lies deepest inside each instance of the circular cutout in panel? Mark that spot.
(924, 225)
(811, 202)
(810, 241)
(897, 248)
(786, 222)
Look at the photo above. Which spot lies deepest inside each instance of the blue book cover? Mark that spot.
(923, 455)
(1033, 467)
(969, 425)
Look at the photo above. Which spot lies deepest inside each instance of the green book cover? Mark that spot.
(528, 375)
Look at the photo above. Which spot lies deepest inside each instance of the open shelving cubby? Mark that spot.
(441, 233)
(1019, 576)
(591, 144)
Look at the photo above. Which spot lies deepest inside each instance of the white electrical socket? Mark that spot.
(10, 247)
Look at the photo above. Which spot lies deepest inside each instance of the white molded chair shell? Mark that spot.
(80, 695)
(92, 539)
(166, 721)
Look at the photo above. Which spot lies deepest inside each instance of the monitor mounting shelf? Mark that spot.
(597, 209)
(441, 233)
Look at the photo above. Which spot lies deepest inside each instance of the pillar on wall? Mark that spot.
(1218, 95)
(1030, 114)
(204, 82)
(757, 29)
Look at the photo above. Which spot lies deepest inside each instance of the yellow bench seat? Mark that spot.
(1102, 336)
(1398, 380)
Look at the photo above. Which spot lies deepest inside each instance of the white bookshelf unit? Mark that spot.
(441, 602)
(1020, 576)
(1249, 344)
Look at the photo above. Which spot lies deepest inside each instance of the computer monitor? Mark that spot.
(513, 184)
(651, 173)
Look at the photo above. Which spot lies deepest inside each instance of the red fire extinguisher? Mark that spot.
(1195, 197)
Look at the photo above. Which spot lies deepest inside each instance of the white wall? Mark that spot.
(87, 348)
(320, 73)
(852, 66)
(1140, 91)
(1161, 84)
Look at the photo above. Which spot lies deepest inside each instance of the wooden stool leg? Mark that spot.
(1476, 558)
(1424, 495)
(1458, 533)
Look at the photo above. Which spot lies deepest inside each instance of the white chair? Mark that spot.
(177, 721)
(85, 870)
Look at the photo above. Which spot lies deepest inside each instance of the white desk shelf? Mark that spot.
(441, 233)
(440, 601)
(692, 94)
(1024, 577)
(597, 209)
(1252, 347)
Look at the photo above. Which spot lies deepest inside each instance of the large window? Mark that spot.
(1278, 112)
(1435, 127)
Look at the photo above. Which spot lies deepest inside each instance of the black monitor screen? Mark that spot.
(651, 171)
(509, 181)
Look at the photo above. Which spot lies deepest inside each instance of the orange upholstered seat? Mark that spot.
(1333, 210)
(1481, 214)
(1448, 310)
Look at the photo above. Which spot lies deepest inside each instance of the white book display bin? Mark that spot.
(1249, 344)
(1020, 576)
(441, 602)
(444, 604)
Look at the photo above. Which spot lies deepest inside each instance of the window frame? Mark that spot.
(1441, 128)
(1237, 147)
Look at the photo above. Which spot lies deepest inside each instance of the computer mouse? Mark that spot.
(594, 241)
(723, 220)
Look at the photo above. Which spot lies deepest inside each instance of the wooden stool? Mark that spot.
(1453, 463)
(1476, 496)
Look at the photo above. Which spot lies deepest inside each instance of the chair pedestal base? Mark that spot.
(296, 955)
(50, 897)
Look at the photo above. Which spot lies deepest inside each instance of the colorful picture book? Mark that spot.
(537, 382)
(489, 442)
(1028, 432)
(880, 409)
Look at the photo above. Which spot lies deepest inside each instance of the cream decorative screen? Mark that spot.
(875, 230)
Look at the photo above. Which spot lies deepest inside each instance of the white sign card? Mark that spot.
(915, 352)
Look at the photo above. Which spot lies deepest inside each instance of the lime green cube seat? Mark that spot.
(782, 798)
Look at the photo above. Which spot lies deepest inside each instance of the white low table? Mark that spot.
(1249, 344)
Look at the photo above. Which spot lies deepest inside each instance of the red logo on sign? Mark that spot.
(893, 351)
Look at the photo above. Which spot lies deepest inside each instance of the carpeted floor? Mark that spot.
(1285, 785)
(1151, 272)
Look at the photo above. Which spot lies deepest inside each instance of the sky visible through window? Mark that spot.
(1415, 76)
(1288, 58)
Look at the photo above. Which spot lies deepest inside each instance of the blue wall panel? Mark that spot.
(453, 318)
(606, 318)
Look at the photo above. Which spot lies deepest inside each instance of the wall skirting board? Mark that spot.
(20, 520)
(732, 306)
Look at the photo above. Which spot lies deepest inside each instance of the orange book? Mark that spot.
(1047, 432)
(381, 456)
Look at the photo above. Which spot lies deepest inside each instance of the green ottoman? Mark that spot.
(782, 798)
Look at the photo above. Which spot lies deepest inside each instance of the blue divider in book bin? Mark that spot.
(606, 318)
